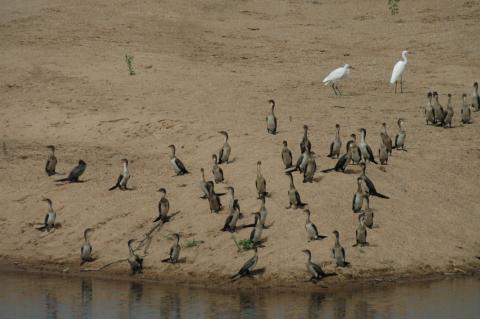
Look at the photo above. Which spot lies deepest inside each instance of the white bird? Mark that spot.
(397, 73)
(337, 75)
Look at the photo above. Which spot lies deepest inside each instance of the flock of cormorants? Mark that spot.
(355, 153)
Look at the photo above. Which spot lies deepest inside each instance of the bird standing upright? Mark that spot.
(335, 76)
(398, 70)
(272, 119)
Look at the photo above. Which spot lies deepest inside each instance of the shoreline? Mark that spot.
(373, 280)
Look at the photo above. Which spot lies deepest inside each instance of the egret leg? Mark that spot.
(333, 87)
(339, 93)
(401, 84)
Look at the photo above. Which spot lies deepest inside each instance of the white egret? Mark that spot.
(398, 69)
(337, 75)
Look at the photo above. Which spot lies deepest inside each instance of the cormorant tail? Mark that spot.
(381, 195)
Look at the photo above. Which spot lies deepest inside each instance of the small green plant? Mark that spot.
(129, 60)
(393, 6)
(243, 244)
(193, 243)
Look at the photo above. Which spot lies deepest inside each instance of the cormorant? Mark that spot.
(163, 207)
(247, 268)
(76, 172)
(315, 270)
(86, 250)
(272, 119)
(136, 262)
(177, 164)
(336, 145)
(51, 161)
(224, 153)
(122, 180)
(174, 251)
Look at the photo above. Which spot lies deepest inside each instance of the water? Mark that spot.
(40, 296)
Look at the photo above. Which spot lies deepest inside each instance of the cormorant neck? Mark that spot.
(203, 176)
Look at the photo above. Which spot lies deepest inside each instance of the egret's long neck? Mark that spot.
(404, 56)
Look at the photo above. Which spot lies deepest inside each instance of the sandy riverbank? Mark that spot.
(212, 65)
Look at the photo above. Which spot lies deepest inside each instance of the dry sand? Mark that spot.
(204, 66)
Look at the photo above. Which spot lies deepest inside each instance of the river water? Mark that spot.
(41, 296)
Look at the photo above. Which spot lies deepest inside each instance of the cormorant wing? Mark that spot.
(180, 165)
(315, 229)
(370, 185)
(396, 139)
(252, 233)
(353, 202)
(275, 122)
(341, 162)
(297, 197)
(317, 269)
(227, 222)
(76, 172)
(220, 155)
(46, 219)
(248, 265)
(300, 160)
(331, 149)
(370, 153)
(343, 254)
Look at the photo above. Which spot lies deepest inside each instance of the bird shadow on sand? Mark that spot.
(182, 260)
(230, 161)
(61, 183)
(259, 271)
(91, 260)
(351, 171)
